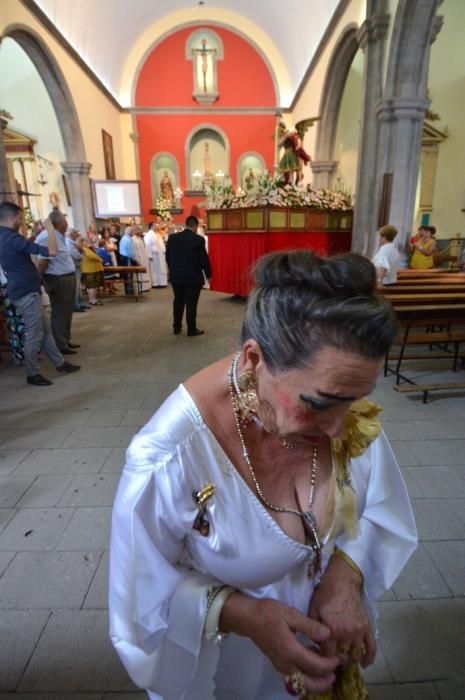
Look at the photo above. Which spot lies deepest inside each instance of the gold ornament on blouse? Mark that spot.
(361, 427)
(201, 498)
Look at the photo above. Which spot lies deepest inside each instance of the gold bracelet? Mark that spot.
(350, 562)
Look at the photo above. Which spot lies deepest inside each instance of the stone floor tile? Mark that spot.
(438, 452)
(90, 490)
(432, 628)
(129, 389)
(436, 520)
(5, 559)
(5, 516)
(408, 691)
(449, 557)
(97, 595)
(377, 672)
(439, 482)
(20, 630)
(458, 506)
(109, 418)
(413, 481)
(438, 429)
(96, 437)
(47, 580)
(74, 654)
(9, 460)
(403, 452)
(88, 529)
(123, 402)
(115, 461)
(388, 595)
(421, 578)
(78, 460)
(12, 488)
(36, 439)
(45, 491)
(137, 417)
(34, 529)
(451, 690)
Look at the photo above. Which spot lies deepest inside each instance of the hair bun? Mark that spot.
(345, 275)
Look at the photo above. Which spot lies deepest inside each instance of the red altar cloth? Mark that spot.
(232, 254)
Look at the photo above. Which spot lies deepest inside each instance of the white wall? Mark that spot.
(23, 94)
(447, 89)
(348, 125)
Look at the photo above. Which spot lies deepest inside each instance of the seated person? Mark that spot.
(386, 259)
(107, 261)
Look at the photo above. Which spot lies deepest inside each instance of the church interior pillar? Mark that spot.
(79, 190)
(7, 188)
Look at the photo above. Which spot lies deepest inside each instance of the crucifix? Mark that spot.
(203, 55)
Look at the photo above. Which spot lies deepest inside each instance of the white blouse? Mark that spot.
(161, 568)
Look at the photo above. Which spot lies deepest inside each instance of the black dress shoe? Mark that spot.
(196, 332)
(38, 380)
(67, 351)
(176, 331)
(79, 310)
(73, 345)
(67, 368)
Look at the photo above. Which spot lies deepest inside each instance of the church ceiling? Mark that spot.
(105, 32)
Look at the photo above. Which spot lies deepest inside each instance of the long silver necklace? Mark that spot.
(308, 518)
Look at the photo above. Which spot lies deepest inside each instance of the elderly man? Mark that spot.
(58, 274)
(23, 288)
(127, 257)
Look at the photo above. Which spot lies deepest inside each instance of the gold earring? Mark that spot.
(246, 401)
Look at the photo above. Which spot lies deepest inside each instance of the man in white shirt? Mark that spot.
(60, 283)
(386, 259)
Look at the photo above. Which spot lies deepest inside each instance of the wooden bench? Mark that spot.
(426, 388)
(421, 314)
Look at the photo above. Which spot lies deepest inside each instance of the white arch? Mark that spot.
(226, 19)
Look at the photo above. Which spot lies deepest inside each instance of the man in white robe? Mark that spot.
(155, 246)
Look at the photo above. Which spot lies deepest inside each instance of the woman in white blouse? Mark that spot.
(261, 510)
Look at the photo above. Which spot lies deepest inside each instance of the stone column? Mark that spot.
(323, 171)
(135, 138)
(401, 124)
(80, 194)
(371, 38)
(6, 191)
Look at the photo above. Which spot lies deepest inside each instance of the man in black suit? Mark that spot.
(189, 267)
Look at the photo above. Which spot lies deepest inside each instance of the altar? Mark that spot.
(238, 237)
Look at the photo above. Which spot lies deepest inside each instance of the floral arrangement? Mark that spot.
(162, 209)
(273, 191)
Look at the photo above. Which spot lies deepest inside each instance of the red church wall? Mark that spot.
(166, 80)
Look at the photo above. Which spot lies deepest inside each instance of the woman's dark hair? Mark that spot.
(302, 303)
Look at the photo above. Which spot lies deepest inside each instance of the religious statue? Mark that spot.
(166, 188)
(208, 174)
(250, 180)
(295, 156)
(202, 56)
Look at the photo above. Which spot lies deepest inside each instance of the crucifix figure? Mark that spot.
(203, 55)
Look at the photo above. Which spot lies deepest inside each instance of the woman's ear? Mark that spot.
(252, 354)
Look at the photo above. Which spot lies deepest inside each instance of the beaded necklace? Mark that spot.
(308, 519)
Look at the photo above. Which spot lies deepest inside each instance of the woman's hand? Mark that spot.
(272, 626)
(337, 602)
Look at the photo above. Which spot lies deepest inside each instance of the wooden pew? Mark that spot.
(133, 271)
(422, 313)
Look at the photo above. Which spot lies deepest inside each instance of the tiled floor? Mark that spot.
(61, 452)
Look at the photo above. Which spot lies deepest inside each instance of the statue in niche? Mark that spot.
(166, 188)
(250, 180)
(208, 174)
(201, 56)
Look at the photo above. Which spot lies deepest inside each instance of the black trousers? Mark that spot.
(61, 290)
(185, 296)
(127, 276)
